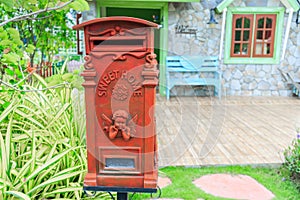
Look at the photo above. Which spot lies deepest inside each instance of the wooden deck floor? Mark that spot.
(196, 131)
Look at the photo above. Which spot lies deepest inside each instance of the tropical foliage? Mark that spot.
(42, 143)
(42, 126)
(292, 161)
(37, 147)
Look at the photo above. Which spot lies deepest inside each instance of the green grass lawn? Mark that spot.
(182, 178)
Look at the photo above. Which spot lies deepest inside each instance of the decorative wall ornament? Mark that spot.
(185, 29)
(120, 125)
(88, 62)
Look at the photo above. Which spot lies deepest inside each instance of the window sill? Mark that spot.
(251, 61)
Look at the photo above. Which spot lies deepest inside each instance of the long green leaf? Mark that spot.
(46, 165)
(63, 68)
(64, 190)
(23, 171)
(59, 114)
(65, 171)
(30, 118)
(40, 79)
(4, 182)
(51, 153)
(54, 180)
(44, 175)
(8, 144)
(18, 194)
(33, 151)
(8, 110)
(4, 161)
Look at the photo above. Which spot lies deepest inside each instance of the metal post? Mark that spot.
(122, 196)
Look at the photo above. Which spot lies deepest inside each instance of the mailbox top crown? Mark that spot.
(142, 22)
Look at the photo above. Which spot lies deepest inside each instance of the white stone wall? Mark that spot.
(90, 14)
(245, 80)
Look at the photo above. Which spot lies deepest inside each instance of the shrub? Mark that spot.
(292, 160)
(42, 143)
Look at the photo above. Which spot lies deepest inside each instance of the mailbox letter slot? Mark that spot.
(118, 43)
(115, 163)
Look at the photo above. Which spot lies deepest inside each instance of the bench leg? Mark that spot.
(167, 93)
(218, 87)
(219, 91)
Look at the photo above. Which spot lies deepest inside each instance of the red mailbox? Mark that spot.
(120, 79)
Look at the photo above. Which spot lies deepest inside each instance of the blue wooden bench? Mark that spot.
(193, 64)
(295, 85)
(291, 81)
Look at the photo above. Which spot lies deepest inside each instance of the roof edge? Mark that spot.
(292, 4)
(224, 4)
(117, 18)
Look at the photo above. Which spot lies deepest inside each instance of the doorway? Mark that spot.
(153, 15)
(144, 10)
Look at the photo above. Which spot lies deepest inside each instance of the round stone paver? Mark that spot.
(163, 182)
(233, 186)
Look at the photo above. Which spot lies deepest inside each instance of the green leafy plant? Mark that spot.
(62, 76)
(32, 32)
(291, 164)
(42, 143)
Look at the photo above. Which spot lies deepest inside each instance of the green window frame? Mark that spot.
(251, 56)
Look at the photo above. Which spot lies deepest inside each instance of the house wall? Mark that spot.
(237, 79)
(244, 80)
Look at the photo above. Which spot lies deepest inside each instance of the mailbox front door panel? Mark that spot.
(119, 104)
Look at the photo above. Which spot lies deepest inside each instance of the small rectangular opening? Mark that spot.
(119, 163)
(119, 42)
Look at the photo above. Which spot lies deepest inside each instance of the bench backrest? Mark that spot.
(192, 63)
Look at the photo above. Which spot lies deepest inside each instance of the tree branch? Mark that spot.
(27, 16)
(39, 18)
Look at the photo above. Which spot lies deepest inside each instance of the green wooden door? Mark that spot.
(141, 13)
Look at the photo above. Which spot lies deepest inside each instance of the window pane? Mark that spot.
(246, 22)
(268, 50)
(269, 23)
(259, 48)
(237, 36)
(268, 35)
(259, 35)
(238, 23)
(237, 49)
(245, 49)
(260, 23)
(242, 31)
(246, 36)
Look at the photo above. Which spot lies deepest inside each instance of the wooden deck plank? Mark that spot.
(235, 130)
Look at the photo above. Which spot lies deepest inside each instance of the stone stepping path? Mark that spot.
(239, 187)
(233, 186)
(163, 182)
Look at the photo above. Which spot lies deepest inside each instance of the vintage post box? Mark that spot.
(120, 79)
